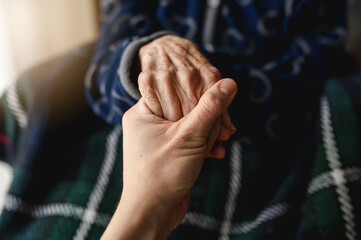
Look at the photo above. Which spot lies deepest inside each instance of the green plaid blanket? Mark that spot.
(68, 169)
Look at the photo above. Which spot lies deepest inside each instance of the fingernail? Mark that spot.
(227, 87)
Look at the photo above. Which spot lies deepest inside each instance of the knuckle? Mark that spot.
(145, 80)
(148, 51)
(144, 76)
(211, 75)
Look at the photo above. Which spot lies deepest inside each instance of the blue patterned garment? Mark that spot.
(278, 51)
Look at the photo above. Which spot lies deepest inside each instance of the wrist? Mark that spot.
(139, 220)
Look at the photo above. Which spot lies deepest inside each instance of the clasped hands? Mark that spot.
(166, 136)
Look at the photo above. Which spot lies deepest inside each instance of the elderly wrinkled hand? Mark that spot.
(174, 75)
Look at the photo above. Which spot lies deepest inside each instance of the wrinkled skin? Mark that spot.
(174, 75)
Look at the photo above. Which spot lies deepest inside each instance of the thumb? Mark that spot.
(211, 105)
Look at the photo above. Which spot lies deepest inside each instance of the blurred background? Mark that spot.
(353, 43)
(33, 31)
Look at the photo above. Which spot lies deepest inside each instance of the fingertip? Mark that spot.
(228, 86)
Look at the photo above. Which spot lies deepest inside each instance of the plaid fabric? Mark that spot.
(253, 195)
(68, 169)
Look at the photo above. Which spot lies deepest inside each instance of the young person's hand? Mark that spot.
(162, 160)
